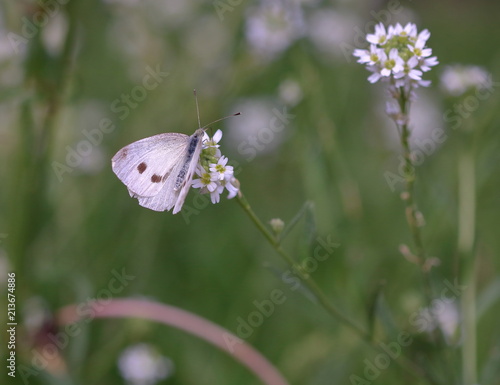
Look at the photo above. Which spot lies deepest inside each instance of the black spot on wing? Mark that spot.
(156, 178)
(142, 167)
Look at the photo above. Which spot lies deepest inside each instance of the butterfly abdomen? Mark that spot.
(193, 144)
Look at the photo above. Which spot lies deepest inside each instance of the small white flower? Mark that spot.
(375, 76)
(229, 184)
(410, 30)
(426, 64)
(206, 180)
(419, 50)
(392, 64)
(410, 70)
(142, 365)
(220, 170)
(423, 36)
(370, 57)
(213, 141)
(379, 37)
(215, 194)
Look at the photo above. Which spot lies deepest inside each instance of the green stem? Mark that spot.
(402, 362)
(412, 214)
(318, 293)
(466, 239)
(411, 210)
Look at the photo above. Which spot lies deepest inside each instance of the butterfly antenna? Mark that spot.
(218, 120)
(197, 108)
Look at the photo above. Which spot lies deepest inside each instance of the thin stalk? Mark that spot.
(466, 240)
(411, 210)
(412, 214)
(402, 362)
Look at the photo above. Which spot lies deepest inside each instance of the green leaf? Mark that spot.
(302, 211)
(488, 297)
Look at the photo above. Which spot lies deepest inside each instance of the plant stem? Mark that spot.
(412, 213)
(411, 210)
(466, 236)
(402, 362)
(318, 293)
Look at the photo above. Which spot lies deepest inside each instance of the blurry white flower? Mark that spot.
(290, 92)
(141, 364)
(257, 131)
(448, 319)
(457, 79)
(54, 33)
(93, 162)
(329, 30)
(273, 26)
(400, 56)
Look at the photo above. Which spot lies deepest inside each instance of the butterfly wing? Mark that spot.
(178, 183)
(146, 165)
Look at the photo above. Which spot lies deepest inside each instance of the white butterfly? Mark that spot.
(159, 170)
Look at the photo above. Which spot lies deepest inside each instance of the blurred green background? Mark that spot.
(65, 228)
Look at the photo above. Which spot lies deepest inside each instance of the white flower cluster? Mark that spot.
(214, 174)
(398, 55)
